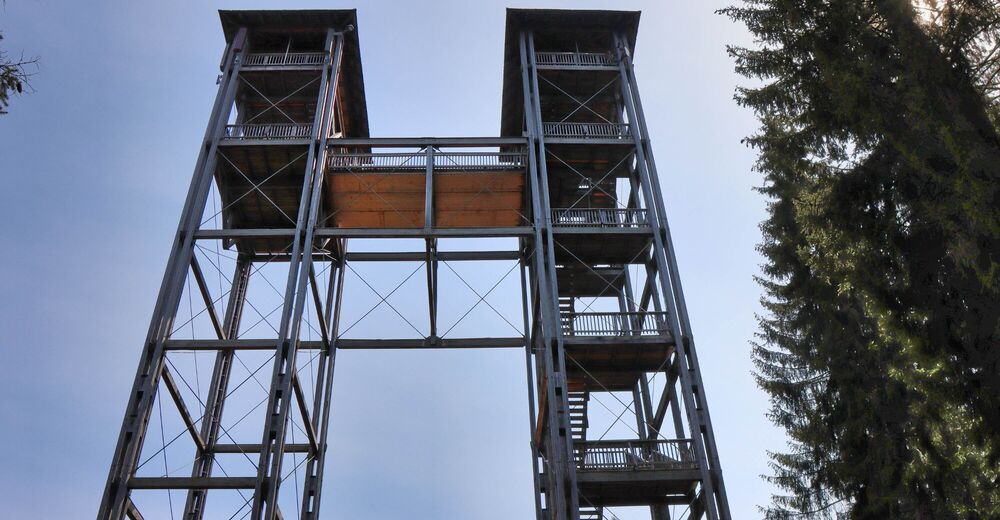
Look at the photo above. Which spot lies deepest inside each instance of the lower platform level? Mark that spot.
(637, 488)
(635, 472)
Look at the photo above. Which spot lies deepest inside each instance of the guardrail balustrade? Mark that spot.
(417, 161)
(269, 131)
(587, 130)
(615, 323)
(657, 454)
(282, 59)
(575, 59)
(600, 217)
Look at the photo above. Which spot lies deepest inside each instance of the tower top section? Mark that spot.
(305, 30)
(560, 31)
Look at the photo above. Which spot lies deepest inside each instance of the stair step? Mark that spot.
(578, 418)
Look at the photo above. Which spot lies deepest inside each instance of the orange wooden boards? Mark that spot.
(376, 200)
(396, 200)
(479, 199)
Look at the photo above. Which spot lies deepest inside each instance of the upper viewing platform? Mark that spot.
(291, 42)
(566, 42)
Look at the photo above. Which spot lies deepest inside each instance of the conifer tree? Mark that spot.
(880, 345)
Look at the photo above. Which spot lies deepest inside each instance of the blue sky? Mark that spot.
(95, 165)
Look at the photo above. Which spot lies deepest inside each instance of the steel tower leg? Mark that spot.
(313, 487)
(194, 507)
(280, 395)
(695, 405)
(562, 495)
(140, 404)
(528, 347)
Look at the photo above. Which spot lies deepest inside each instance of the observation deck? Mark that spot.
(611, 350)
(590, 236)
(635, 472)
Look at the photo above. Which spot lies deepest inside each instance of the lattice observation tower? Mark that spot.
(291, 196)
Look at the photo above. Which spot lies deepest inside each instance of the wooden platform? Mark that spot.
(634, 488)
(600, 380)
(617, 353)
(596, 245)
(277, 171)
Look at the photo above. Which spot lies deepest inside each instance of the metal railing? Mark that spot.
(615, 323)
(282, 59)
(588, 130)
(575, 59)
(417, 161)
(657, 454)
(269, 131)
(600, 217)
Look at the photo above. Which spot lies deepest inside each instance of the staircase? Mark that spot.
(578, 415)
(595, 513)
(566, 307)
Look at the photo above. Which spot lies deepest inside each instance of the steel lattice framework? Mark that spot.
(287, 175)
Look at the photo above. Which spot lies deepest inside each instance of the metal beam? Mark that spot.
(331, 232)
(471, 232)
(431, 243)
(665, 397)
(255, 448)
(445, 256)
(232, 344)
(131, 511)
(192, 483)
(219, 234)
(206, 295)
(304, 413)
(175, 394)
(430, 343)
(318, 308)
(431, 266)
(392, 142)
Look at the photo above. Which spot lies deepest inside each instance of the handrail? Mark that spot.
(588, 130)
(279, 59)
(417, 161)
(599, 217)
(269, 131)
(615, 323)
(637, 455)
(575, 59)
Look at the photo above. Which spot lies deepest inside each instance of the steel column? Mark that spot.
(561, 493)
(269, 475)
(713, 454)
(663, 268)
(313, 488)
(140, 405)
(194, 507)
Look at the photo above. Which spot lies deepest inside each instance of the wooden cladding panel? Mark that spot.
(396, 200)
